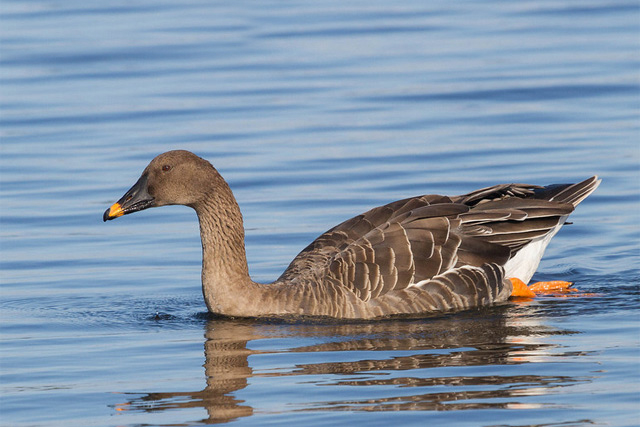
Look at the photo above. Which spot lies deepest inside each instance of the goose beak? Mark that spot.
(134, 200)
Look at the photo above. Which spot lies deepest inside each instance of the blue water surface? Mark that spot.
(313, 112)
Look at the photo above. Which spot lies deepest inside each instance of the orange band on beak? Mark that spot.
(115, 210)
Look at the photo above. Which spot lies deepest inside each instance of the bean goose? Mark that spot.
(414, 256)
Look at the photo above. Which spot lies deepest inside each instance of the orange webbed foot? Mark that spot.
(556, 288)
(520, 289)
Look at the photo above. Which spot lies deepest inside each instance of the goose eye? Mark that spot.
(166, 168)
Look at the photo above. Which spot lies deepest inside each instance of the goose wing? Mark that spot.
(377, 230)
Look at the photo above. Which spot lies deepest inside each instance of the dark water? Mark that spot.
(314, 112)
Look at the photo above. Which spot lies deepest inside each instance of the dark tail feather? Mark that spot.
(568, 193)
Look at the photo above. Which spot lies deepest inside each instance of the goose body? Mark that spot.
(415, 256)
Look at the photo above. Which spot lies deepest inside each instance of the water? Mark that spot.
(313, 112)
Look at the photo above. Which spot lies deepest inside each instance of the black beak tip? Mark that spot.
(105, 216)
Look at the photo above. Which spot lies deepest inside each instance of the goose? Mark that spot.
(414, 257)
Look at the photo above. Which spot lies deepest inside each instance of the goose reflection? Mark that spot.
(399, 354)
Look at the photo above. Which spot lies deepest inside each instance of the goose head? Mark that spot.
(173, 178)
